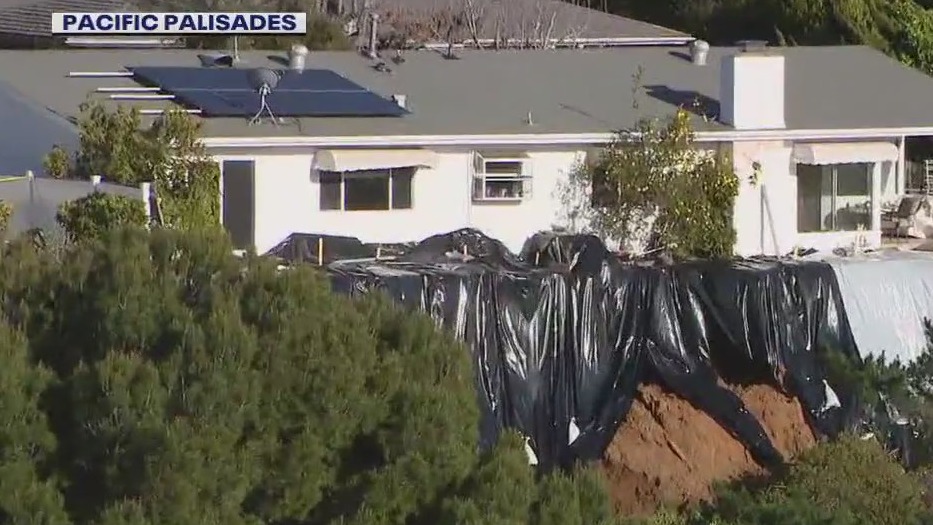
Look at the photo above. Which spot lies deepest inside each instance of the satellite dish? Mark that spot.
(263, 81)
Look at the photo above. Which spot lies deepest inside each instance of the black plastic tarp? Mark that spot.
(323, 249)
(571, 338)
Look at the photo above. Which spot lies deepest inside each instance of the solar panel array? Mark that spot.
(228, 93)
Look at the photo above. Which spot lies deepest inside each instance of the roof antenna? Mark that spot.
(263, 80)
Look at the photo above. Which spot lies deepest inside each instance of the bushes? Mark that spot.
(850, 481)
(191, 386)
(90, 216)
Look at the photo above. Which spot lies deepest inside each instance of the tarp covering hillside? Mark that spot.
(563, 334)
(888, 295)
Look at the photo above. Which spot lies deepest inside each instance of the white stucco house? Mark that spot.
(489, 138)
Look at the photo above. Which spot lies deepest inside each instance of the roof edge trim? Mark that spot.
(552, 139)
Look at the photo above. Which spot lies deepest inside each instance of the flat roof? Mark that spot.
(493, 92)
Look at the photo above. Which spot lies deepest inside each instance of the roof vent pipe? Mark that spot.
(297, 54)
(373, 31)
(699, 50)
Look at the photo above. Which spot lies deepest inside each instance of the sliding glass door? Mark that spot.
(835, 197)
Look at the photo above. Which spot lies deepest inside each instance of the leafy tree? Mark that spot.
(91, 215)
(168, 153)
(655, 185)
(901, 28)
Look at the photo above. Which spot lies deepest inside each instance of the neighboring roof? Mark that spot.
(34, 18)
(564, 91)
(28, 132)
(534, 19)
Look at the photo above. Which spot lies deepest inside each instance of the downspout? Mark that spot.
(900, 185)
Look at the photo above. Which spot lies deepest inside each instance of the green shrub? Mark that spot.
(6, 214)
(197, 387)
(90, 216)
(847, 482)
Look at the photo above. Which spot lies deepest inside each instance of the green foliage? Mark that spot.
(57, 163)
(877, 489)
(169, 153)
(848, 482)
(192, 386)
(25, 439)
(655, 183)
(6, 214)
(92, 215)
(901, 28)
(912, 35)
(504, 490)
(884, 385)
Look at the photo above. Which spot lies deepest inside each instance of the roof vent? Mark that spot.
(296, 57)
(216, 60)
(752, 45)
(401, 100)
(698, 52)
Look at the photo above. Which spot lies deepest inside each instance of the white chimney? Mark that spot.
(752, 90)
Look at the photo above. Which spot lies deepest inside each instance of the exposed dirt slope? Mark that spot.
(669, 453)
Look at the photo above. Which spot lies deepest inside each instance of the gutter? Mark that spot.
(550, 139)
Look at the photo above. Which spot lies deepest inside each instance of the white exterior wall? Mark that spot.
(765, 212)
(287, 201)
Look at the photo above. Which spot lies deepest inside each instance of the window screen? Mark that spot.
(366, 190)
(401, 188)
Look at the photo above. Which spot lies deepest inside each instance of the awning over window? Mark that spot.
(373, 159)
(844, 152)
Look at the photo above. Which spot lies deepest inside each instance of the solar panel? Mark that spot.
(228, 93)
(291, 103)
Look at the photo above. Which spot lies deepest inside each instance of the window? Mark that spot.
(368, 190)
(833, 197)
(501, 178)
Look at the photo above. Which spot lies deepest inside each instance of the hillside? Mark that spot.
(901, 28)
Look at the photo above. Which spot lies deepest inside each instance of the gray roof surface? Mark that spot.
(486, 92)
(34, 18)
(28, 132)
(515, 19)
